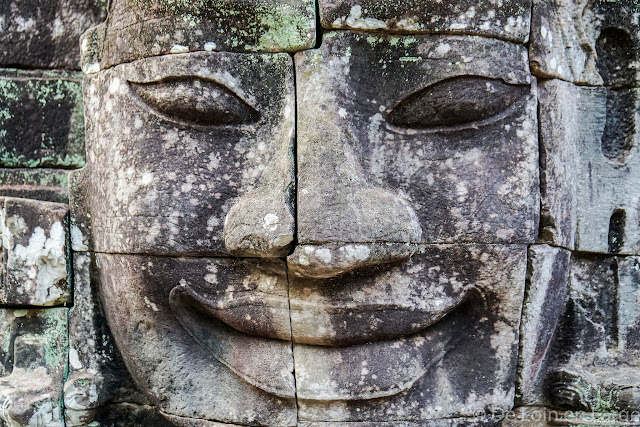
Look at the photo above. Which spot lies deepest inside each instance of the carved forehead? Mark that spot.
(418, 60)
(504, 19)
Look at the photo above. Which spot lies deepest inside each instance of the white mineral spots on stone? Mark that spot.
(74, 360)
(358, 252)
(324, 255)
(23, 25)
(270, 222)
(178, 48)
(355, 20)
(47, 415)
(443, 48)
(212, 277)
(150, 304)
(303, 260)
(44, 261)
(209, 46)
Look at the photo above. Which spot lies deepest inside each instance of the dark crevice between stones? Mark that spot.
(618, 138)
(611, 304)
(293, 355)
(616, 52)
(616, 231)
(319, 29)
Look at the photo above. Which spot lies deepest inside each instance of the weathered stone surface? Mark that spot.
(39, 184)
(143, 28)
(508, 20)
(34, 359)
(35, 244)
(97, 376)
(204, 338)
(40, 119)
(451, 422)
(413, 342)
(547, 287)
(376, 165)
(586, 42)
(591, 365)
(37, 34)
(592, 167)
(194, 149)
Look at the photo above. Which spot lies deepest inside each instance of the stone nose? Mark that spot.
(344, 222)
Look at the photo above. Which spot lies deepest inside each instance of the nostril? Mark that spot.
(334, 259)
(259, 225)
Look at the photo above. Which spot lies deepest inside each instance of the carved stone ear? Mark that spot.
(456, 101)
(196, 100)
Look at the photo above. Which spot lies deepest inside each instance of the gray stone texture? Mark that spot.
(375, 166)
(545, 300)
(591, 364)
(204, 338)
(41, 121)
(586, 42)
(509, 20)
(98, 387)
(218, 185)
(413, 342)
(49, 185)
(138, 29)
(35, 251)
(33, 358)
(44, 34)
(590, 164)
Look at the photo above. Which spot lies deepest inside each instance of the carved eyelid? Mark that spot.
(195, 100)
(457, 101)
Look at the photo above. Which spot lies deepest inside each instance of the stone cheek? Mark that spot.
(204, 337)
(196, 187)
(35, 245)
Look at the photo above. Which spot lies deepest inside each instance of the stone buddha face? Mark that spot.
(336, 236)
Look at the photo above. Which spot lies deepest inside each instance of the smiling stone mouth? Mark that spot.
(252, 336)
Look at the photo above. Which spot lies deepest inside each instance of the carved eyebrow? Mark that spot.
(196, 100)
(455, 101)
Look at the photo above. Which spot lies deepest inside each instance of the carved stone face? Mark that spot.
(386, 285)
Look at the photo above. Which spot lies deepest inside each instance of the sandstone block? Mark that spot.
(44, 34)
(34, 355)
(35, 245)
(509, 20)
(143, 28)
(41, 121)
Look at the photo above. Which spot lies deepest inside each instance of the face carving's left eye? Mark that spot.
(196, 100)
(455, 101)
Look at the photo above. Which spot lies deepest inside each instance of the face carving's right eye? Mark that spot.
(455, 101)
(196, 100)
